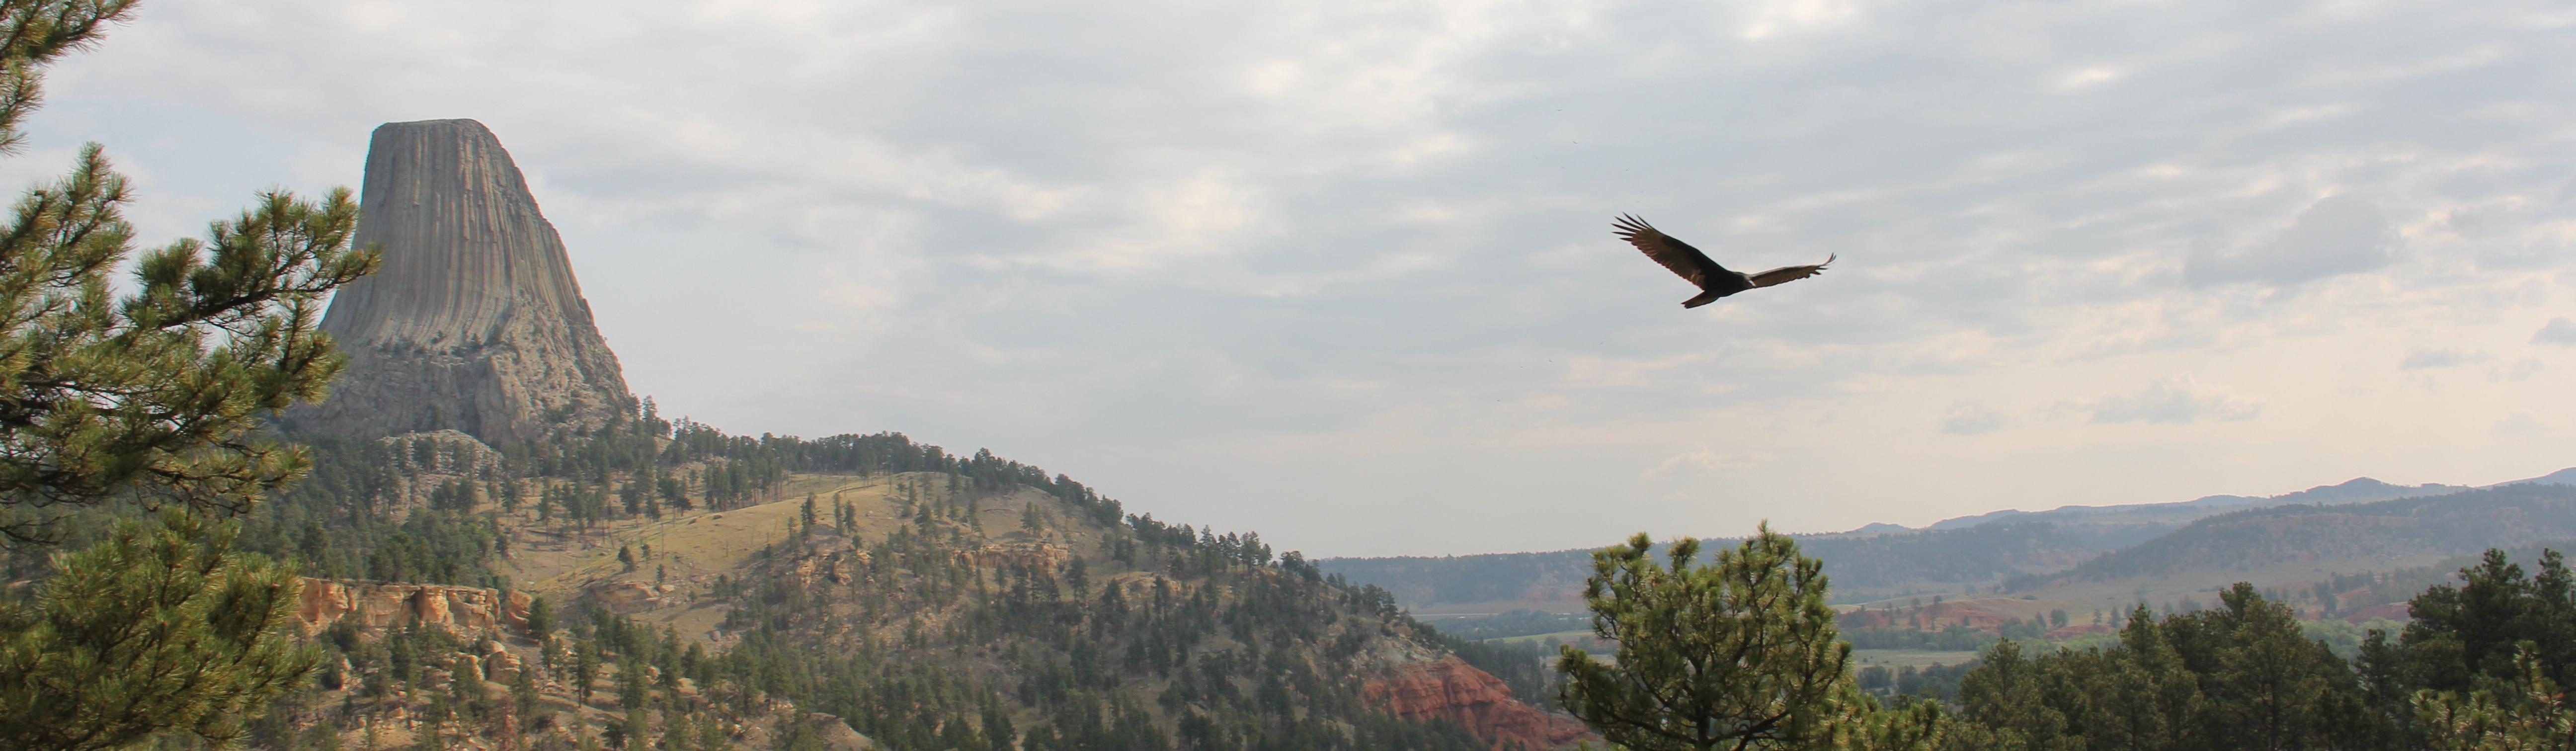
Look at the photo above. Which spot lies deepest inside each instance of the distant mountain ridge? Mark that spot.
(2561, 477)
(2415, 530)
(2356, 490)
(1882, 560)
(1863, 566)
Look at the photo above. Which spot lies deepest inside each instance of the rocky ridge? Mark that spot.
(464, 611)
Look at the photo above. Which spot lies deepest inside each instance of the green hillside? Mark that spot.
(926, 599)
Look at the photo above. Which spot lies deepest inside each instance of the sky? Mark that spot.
(1342, 273)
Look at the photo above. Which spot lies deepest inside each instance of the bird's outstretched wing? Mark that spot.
(1791, 273)
(1673, 254)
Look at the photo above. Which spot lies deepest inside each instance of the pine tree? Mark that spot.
(1032, 518)
(712, 735)
(524, 698)
(1741, 654)
(585, 668)
(159, 389)
(541, 618)
(635, 728)
(156, 628)
(2541, 717)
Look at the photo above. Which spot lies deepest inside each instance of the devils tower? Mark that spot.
(474, 323)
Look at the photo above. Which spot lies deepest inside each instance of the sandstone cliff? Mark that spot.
(1452, 689)
(463, 611)
(475, 322)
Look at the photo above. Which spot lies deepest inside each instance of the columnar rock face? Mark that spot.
(1452, 689)
(475, 323)
(459, 610)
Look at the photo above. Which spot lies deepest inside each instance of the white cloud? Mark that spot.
(1972, 419)
(2336, 235)
(2559, 331)
(1222, 260)
(2437, 358)
(1704, 460)
(2173, 401)
(2521, 424)
(2088, 77)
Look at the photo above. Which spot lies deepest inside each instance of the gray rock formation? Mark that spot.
(475, 323)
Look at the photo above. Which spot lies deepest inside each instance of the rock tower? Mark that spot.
(474, 323)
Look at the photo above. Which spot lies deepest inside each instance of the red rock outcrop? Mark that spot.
(460, 610)
(1452, 689)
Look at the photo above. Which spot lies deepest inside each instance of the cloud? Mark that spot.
(2175, 401)
(2336, 235)
(2437, 358)
(1704, 459)
(2521, 424)
(2517, 370)
(1972, 419)
(1273, 236)
(2560, 331)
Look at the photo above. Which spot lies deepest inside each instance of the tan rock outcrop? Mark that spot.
(625, 597)
(1041, 555)
(1452, 689)
(475, 322)
(463, 611)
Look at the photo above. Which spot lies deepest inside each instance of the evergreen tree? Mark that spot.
(158, 390)
(1032, 519)
(2242, 676)
(156, 628)
(1741, 654)
(585, 668)
(2467, 636)
(524, 698)
(2540, 718)
(541, 618)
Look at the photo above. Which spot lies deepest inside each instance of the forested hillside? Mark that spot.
(927, 599)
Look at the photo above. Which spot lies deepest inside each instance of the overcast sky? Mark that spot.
(1342, 273)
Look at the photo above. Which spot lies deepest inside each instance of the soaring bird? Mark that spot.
(1714, 281)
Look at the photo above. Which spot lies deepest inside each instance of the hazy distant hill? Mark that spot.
(2386, 534)
(1861, 566)
(2172, 515)
(2561, 477)
(1881, 560)
(2175, 514)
